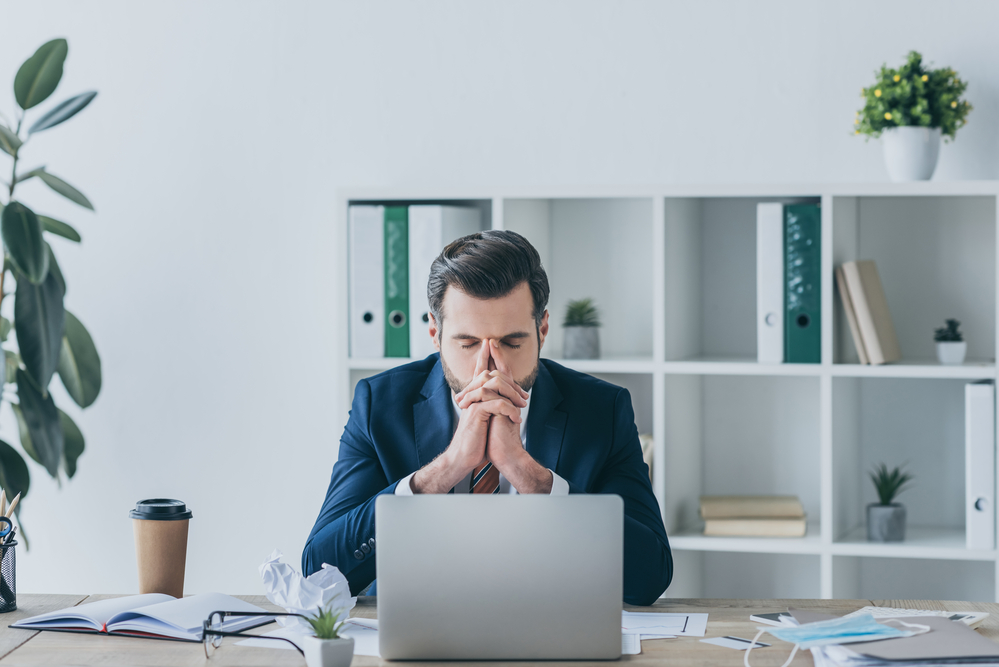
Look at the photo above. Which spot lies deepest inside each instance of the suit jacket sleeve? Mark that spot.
(648, 562)
(347, 519)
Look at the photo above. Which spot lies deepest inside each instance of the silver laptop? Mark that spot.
(499, 577)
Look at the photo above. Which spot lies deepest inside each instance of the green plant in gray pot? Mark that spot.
(44, 338)
(582, 330)
(327, 647)
(886, 519)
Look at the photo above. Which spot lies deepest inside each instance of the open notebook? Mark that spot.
(152, 615)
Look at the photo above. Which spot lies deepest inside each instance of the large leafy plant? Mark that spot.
(913, 95)
(43, 339)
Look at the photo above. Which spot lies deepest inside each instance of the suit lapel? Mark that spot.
(545, 424)
(432, 417)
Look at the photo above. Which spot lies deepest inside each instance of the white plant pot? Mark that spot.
(328, 652)
(952, 354)
(911, 152)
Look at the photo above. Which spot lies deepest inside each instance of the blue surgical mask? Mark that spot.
(861, 628)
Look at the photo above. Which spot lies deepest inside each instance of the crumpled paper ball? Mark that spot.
(326, 588)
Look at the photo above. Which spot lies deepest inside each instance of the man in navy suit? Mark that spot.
(488, 415)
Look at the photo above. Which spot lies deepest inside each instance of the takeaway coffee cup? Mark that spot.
(160, 526)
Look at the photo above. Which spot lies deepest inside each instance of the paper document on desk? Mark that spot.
(672, 624)
(364, 632)
(630, 644)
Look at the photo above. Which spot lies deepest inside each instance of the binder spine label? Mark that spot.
(396, 281)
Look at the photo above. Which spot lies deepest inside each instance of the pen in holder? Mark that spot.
(8, 582)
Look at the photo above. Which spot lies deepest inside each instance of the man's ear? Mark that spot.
(543, 331)
(433, 332)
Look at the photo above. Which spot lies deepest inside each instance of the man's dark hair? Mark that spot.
(488, 265)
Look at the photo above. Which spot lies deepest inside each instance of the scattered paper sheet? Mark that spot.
(738, 643)
(630, 644)
(652, 623)
(364, 631)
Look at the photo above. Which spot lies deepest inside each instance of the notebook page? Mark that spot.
(187, 614)
(92, 615)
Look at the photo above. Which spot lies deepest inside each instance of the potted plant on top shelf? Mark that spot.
(886, 519)
(951, 346)
(911, 108)
(327, 648)
(582, 332)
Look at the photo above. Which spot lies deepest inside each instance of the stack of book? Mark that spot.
(753, 516)
(867, 313)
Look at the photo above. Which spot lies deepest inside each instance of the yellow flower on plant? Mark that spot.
(926, 78)
(897, 78)
(856, 121)
(877, 93)
(953, 105)
(887, 116)
(856, 131)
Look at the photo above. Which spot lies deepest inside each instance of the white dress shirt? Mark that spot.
(560, 487)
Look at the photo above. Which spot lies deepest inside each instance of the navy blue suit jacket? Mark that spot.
(580, 427)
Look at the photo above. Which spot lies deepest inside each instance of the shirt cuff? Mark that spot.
(560, 487)
(404, 489)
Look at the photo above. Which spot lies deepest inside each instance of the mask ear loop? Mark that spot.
(745, 657)
(923, 629)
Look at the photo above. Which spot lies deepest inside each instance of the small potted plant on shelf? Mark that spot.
(951, 346)
(886, 519)
(910, 108)
(327, 648)
(582, 330)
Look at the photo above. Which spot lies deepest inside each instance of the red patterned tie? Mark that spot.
(485, 479)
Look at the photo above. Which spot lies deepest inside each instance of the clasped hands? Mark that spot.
(488, 430)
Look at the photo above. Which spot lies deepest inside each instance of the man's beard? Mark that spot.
(456, 384)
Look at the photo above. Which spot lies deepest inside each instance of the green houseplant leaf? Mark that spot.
(25, 434)
(65, 189)
(42, 420)
(54, 269)
(79, 363)
(59, 228)
(63, 111)
(9, 141)
(73, 442)
(14, 475)
(38, 321)
(22, 234)
(40, 74)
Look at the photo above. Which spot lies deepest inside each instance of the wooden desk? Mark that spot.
(726, 617)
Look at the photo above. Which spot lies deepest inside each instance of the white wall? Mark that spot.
(223, 128)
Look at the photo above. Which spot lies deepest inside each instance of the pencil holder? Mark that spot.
(8, 578)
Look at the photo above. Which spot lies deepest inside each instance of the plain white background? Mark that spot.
(222, 129)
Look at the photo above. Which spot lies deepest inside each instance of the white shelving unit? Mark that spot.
(673, 270)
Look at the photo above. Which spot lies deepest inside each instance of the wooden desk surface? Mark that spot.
(726, 617)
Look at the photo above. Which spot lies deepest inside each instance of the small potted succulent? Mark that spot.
(886, 519)
(582, 330)
(327, 648)
(951, 346)
(910, 109)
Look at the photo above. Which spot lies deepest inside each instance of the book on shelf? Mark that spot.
(755, 527)
(870, 307)
(759, 507)
(753, 516)
(851, 316)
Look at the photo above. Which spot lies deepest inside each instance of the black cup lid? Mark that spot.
(160, 509)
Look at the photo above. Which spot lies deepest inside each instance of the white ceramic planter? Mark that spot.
(911, 152)
(328, 652)
(952, 354)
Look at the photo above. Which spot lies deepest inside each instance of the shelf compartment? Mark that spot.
(941, 543)
(710, 275)
(748, 575)
(738, 366)
(912, 579)
(599, 249)
(936, 258)
(916, 422)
